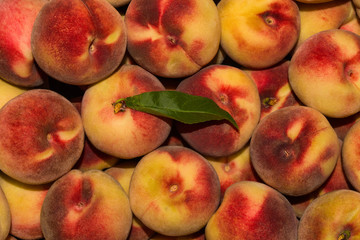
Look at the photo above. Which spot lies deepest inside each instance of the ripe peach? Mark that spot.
(232, 90)
(252, 211)
(129, 133)
(174, 191)
(86, 205)
(41, 136)
(294, 145)
(324, 73)
(334, 215)
(322, 16)
(25, 202)
(234, 168)
(258, 34)
(17, 65)
(172, 38)
(5, 216)
(274, 88)
(78, 42)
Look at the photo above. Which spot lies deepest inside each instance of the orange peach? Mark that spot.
(334, 215)
(324, 75)
(258, 34)
(174, 191)
(17, 65)
(25, 202)
(128, 133)
(274, 88)
(41, 136)
(86, 205)
(294, 145)
(5, 216)
(78, 42)
(252, 211)
(232, 90)
(234, 168)
(172, 38)
(322, 16)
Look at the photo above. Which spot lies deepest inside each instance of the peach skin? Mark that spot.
(5, 216)
(41, 136)
(17, 65)
(258, 34)
(86, 205)
(174, 191)
(170, 38)
(294, 145)
(78, 42)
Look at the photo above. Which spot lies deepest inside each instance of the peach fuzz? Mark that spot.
(252, 211)
(117, 134)
(294, 145)
(172, 39)
(336, 181)
(9, 91)
(350, 155)
(86, 205)
(322, 16)
(274, 88)
(324, 75)
(234, 168)
(17, 65)
(78, 42)
(258, 34)
(5, 216)
(334, 215)
(41, 136)
(174, 191)
(25, 202)
(232, 90)
(122, 172)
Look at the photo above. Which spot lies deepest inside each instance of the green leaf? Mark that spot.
(176, 105)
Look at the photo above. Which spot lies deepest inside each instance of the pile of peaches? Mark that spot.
(72, 168)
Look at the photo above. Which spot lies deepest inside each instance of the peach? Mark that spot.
(174, 191)
(86, 205)
(274, 88)
(232, 90)
(25, 202)
(323, 72)
(234, 168)
(350, 155)
(122, 172)
(258, 34)
(17, 65)
(332, 216)
(128, 133)
(336, 181)
(78, 42)
(314, 1)
(5, 216)
(41, 136)
(343, 125)
(322, 16)
(172, 39)
(252, 211)
(294, 145)
(9, 91)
